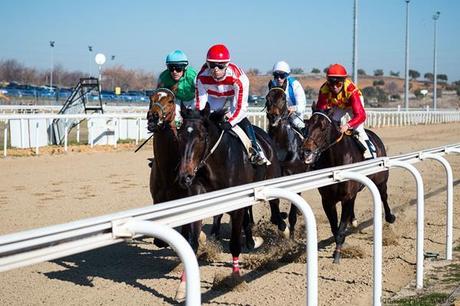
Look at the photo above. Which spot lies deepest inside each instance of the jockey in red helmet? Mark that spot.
(220, 80)
(345, 98)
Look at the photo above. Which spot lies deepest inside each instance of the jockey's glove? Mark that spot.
(225, 125)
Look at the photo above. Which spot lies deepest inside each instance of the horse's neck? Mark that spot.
(339, 154)
(165, 142)
(286, 138)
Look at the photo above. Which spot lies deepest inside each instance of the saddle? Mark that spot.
(247, 142)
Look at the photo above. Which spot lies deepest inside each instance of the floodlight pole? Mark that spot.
(406, 74)
(355, 43)
(435, 81)
(52, 42)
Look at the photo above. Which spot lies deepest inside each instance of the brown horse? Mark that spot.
(288, 143)
(327, 147)
(163, 175)
(216, 160)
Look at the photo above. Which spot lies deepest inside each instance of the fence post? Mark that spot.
(450, 187)
(36, 137)
(5, 137)
(420, 217)
(348, 175)
(311, 234)
(178, 243)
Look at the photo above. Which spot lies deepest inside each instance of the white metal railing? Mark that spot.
(33, 246)
(374, 119)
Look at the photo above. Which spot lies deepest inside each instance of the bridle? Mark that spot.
(206, 152)
(320, 150)
(284, 115)
(163, 113)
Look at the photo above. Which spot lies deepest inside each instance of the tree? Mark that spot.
(253, 71)
(414, 74)
(428, 76)
(326, 69)
(393, 73)
(378, 72)
(297, 70)
(315, 70)
(361, 72)
(442, 77)
(378, 83)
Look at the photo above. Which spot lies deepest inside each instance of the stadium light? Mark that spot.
(406, 73)
(435, 77)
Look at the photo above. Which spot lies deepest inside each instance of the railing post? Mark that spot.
(377, 275)
(5, 137)
(450, 187)
(420, 217)
(36, 137)
(177, 242)
(311, 234)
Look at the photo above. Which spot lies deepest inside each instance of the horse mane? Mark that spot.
(218, 115)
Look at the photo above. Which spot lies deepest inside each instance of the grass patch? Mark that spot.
(431, 299)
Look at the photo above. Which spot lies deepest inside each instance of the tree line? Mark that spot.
(128, 79)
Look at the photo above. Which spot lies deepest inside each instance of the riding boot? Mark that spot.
(298, 124)
(257, 155)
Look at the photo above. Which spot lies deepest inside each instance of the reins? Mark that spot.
(319, 151)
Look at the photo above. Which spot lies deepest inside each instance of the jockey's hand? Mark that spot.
(225, 125)
(291, 109)
(344, 128)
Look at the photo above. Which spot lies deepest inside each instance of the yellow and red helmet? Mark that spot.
(218, 53)
(336, 71)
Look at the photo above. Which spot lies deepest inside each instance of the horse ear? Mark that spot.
(206, 110)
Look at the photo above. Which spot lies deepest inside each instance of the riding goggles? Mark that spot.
(212, 65)
(337, 82)
(177, 68)
(280, 75)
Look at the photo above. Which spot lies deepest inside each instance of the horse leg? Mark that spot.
(353, 221)
(389, 217)
(277, 217)
(237, 218)
(293, 219)
(331, 212)
(215, 230)
(345, 218)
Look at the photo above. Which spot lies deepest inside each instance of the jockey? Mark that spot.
(345, 98)
(180, 78)
(220, 81)
(295, 95)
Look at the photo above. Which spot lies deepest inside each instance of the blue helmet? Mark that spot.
(176, 57)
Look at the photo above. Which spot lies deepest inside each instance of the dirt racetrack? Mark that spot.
(53, 189)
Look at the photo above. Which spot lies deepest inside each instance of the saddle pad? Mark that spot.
(243, 137)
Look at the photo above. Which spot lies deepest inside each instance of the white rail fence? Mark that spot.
(34, 130)
(34, 246)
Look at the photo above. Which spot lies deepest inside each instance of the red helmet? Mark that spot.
(218, 53)
(336, 70)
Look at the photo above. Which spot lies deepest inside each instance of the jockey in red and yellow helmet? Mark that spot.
(344, 97)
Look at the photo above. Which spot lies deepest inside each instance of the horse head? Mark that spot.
(194, 143)
(162, 109)
(321, 133)
(276, 105)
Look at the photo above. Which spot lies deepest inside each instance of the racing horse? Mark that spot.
(288, 143)
(163, 174)
(326, 147)
(217, 159)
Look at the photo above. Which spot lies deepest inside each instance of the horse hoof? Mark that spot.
(286, 233)
(202, 238)
(336, 257)
(390, 219)
(180, 293)
(258, 241)
(354, 223)
(160, 243)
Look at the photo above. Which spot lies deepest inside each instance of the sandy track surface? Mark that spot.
(53, 189)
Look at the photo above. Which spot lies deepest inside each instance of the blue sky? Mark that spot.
(306, 33)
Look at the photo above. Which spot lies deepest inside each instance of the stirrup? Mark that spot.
(257, 157)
